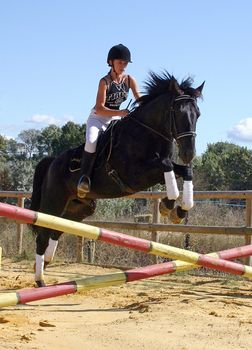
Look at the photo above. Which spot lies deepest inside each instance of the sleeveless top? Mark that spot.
(116, 94)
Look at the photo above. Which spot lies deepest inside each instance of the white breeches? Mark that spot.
(95, 124)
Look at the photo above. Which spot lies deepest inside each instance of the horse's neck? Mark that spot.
(153, 113)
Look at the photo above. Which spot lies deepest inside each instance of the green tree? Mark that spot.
(30, 140)
(22, 173)
(225, 166)
(49, 140)
(13, 149)
(199, 178)
(5, 177)
(72, 136)
(3, 148)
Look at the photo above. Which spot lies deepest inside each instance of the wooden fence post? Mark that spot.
(155, 220)
(20, 228)
(79, 243)
(248, 239)
(91, 251)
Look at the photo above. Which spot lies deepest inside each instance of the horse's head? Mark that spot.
(170, 110)
(184, 116)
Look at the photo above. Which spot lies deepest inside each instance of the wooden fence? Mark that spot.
(155, 226)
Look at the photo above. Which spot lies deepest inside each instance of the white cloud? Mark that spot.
(242, 131)
(48, 119)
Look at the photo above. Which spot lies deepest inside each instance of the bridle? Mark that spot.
(182, 134)
(172, 112)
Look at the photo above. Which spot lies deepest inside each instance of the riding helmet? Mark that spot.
(119, 52)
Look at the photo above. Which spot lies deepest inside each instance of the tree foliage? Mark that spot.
(224, 166)
(30, 140)
(49, 141)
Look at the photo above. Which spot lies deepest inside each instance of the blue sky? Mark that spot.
(53, 52)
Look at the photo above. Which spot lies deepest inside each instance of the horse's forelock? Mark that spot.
(156, 85)
(186, 86)
(159, 84)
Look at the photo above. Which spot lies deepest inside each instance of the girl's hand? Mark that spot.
(124, 112)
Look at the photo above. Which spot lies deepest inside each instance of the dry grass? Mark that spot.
(204, 213)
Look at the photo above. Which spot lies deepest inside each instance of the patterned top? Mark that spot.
(116, 93)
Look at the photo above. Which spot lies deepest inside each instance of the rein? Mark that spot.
(179, 136)
(151, 129)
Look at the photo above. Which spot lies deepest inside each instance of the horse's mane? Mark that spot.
(159, 84)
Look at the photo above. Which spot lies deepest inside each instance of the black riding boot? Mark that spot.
(87, 164)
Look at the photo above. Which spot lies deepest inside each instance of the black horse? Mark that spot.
(133, 154)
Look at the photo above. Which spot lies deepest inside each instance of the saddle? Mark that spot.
(104, 148)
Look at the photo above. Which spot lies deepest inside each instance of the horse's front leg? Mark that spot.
(180, 212)
(167, 204)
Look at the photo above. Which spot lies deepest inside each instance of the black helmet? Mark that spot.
(119, 52)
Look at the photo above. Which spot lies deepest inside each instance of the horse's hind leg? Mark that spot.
(46, 244)
(51, 247)
(47, 239)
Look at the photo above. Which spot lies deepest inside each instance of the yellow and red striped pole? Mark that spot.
(112, 279)
(123, 240)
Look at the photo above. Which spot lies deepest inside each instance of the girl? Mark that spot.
(112, 92)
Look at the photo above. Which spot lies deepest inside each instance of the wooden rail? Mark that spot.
(155, 227)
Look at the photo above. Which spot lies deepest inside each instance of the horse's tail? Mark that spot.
(39, 175)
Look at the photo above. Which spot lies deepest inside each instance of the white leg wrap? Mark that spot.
(39, 273)
(50, 250)
(171, 185)
(187, 198)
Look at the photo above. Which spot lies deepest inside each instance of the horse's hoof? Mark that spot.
(177, 215)
(40, 283)
(165, 206)
(164, 211)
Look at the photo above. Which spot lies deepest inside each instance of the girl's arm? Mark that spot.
(100, 103)
(134, 88)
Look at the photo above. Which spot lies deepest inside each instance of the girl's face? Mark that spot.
(119, 66)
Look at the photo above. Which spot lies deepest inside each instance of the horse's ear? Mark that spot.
(198, 90)
(174, 87)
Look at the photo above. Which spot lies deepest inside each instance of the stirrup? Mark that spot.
(84, 186)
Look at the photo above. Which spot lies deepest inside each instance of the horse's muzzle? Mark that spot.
(187, 149)
(186, 155)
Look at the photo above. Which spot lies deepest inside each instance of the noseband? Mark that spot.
(187, 133)
(178, 136)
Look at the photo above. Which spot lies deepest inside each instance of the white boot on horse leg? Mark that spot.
(167, 204)
(187, 197)
(50, 251)
(179, 213)
(43, 260)
(39, 270)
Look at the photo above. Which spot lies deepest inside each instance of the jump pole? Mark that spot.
(120, 239)
(112, 279)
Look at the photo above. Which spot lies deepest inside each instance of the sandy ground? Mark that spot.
(179, 312)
